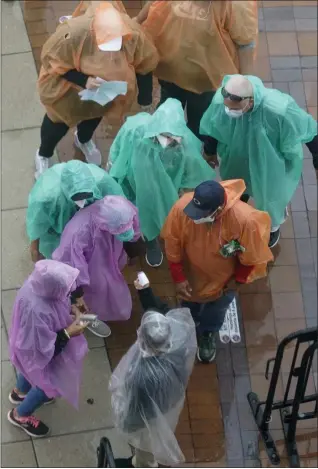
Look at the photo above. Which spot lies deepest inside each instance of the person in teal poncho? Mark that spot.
(153, 158)
(258, 133)
(55, 198)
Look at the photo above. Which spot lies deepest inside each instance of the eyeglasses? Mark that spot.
(233, 97)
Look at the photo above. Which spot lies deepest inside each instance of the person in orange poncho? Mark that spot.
(212, 240)
(199, 42)
(100, 42)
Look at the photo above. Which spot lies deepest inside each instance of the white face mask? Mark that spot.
(209, 219)
(165, 140)
(80, 203)
(235, 113)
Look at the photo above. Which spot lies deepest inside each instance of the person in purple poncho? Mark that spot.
(93, 242)
(46, 344)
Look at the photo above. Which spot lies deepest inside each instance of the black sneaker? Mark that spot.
(121, 462)
(207, 347)
(274, 238)
(16, 398)
(31, 425)
(154, 256)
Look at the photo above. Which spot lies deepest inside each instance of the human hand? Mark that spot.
(36, 255)
(81, 305)
(212, 160)
(77, 327)
(184, 290)
(93, 83)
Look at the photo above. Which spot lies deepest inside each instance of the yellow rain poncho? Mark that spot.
(74, 45)
(198, 41)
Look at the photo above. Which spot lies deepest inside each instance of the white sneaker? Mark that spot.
(99, 328)
(41, 165)
(90, 150)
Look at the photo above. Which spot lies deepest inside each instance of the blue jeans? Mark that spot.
(34, 398)
(209, 317)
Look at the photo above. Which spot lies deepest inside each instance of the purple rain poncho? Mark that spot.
(89, 244)
(41, 309)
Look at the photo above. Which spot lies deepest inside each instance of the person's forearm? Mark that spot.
(61, 340)
(144, 83)
(246, 60)
(149, 301)
(76, 77)
(143, 14)
(35, 244)
(176, 270)
(313, 148)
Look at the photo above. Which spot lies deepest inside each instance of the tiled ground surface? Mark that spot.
(216, 428)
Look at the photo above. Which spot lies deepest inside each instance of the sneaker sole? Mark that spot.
(271, 246)
(20, 402)
(154, 265)
(99, 335)
(24, 429)
(204, 361)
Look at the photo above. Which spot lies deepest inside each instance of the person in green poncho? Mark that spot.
(257, 133)
(55, 198)
(154, 157)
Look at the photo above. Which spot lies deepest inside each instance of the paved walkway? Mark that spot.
(216, 428)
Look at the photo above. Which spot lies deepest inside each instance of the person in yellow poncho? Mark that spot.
(102, 43)
(212, 240)
(198, 43)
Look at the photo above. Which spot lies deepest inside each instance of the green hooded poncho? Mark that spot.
(152, 176)
(50, 206)
(263, 147)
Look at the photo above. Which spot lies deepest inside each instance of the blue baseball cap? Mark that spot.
(207, 198)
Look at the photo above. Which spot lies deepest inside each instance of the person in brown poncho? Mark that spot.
(100, 42)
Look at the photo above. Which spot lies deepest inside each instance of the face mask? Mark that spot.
(80, 203)
(166, 141)
(126, 236)
(209, 219)
(235, 113)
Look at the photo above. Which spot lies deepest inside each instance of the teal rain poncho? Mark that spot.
(263, 147)
(152, 176)
(50, 206)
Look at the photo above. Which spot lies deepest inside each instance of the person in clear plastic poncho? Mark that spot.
(257, 134)
(153, 158)
(99, 42)
(198, 43)
(93, 242)
(148, 387)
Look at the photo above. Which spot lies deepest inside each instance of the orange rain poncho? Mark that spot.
(197, 246)
(198, 41)
(84, 5)
(74, 45)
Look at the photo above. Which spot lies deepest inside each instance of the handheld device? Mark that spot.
(88, 317)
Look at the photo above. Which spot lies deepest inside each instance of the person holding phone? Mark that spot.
(148, 385)
(46, 344)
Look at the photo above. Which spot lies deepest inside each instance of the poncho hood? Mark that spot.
(52, 279)
(76, 177)
(168, 118)
(258, 88)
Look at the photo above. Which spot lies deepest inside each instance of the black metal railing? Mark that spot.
(289, 407)
(105, 456)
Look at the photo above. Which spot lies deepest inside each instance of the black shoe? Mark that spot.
(16, 398)
(207, 347)
(274, 238)
(154, 256)
(31, 425)
(121, 462)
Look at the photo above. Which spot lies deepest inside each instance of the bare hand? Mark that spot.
(212, 160)
(36, 255)
(76, 328)
(93, 83)
(184, 290)
(81, 305)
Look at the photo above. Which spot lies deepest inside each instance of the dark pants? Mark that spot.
(196, 104)
(245, 198)
(53, 132)
(209, 317)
